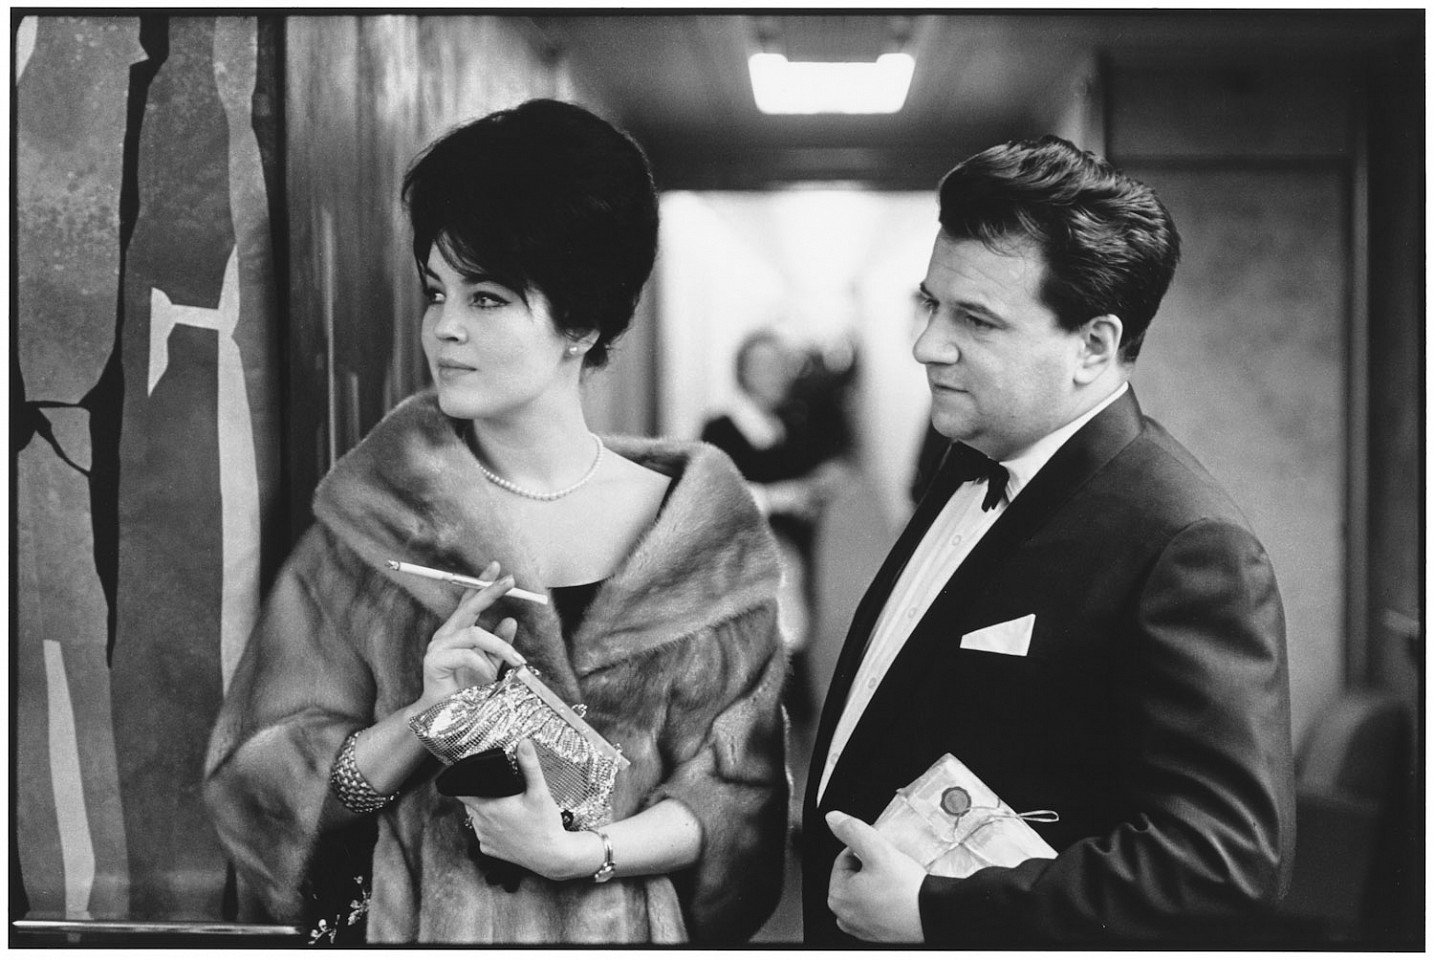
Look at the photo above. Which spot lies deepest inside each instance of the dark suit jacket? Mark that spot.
(1151, 711)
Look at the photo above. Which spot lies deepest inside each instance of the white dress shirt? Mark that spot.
(951, 537)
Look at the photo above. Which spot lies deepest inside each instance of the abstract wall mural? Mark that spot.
(211, 308)
(145, 377)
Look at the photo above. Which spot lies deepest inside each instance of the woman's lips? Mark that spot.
(453, 369)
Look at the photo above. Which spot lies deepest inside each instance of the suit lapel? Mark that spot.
(943, 484)
(1079, 459)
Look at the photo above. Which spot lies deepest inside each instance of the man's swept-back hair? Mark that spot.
(1109, 244)
(545, 196)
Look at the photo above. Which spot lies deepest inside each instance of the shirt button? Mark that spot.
(910, 613)
(871, 684)
(956, 540)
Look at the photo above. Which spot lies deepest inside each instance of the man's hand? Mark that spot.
(874, 886)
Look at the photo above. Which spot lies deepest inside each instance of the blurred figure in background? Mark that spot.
(788, 432)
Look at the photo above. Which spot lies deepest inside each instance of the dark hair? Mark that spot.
(1108, 242)
(544, 196)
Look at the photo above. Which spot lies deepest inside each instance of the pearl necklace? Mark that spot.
(512, 487)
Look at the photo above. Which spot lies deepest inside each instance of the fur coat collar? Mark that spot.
(678, 659)
(412, 491)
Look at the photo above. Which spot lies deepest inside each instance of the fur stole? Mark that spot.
(411, 491)
(678, 660)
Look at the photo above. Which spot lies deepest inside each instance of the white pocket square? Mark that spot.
(1012, 637)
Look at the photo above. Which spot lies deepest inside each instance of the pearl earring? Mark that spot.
(573, 350)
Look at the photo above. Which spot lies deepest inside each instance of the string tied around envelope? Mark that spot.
(956, 802)
(1040, 816)
(993, 814)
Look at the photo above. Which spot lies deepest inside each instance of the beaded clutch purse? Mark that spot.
(580, 766)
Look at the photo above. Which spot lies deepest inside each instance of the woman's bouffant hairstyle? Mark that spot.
(1109, 244)
(545, 196)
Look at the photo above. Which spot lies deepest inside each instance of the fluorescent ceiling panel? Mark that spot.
(783, 86)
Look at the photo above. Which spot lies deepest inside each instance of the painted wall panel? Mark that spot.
(1248, 359)
(147, 294)
(72, 82)
(1245, 365)
(166, 663)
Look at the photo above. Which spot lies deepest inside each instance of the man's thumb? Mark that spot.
(863, 839)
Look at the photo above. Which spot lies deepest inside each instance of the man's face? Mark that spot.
(1000, 367)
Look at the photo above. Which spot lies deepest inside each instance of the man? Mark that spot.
(1090, 626)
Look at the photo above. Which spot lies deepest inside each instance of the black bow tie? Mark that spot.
(968, 463)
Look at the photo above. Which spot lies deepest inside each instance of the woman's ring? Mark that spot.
(467, 821)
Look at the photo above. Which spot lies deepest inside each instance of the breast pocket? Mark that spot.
(1010, 637)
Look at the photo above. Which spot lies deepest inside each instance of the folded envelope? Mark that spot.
(953, 824)
(1012, 637)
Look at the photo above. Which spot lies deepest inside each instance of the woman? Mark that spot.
(534, 231)
(768, 431)
(786, 433)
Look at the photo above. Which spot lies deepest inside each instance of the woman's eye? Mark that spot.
(432, 295)
(488, 301)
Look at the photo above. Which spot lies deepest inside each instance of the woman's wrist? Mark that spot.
(426, 699)
(350, 784)
(585, 855)
(416, 707)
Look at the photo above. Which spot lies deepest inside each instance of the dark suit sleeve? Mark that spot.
(1206, 774)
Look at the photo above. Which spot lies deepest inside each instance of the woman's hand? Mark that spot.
(463, 654)
(527, 829)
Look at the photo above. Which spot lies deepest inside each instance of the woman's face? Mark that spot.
(491, 354)
(767, 371)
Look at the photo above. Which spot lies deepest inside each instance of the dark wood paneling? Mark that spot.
(1395, 656)
(1396, 354)
(364, 95)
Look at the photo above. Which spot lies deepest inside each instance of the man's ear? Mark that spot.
(1099, 346)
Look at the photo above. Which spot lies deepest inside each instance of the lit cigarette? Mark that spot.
(460, 579)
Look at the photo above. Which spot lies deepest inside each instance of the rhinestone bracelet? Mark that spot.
(351, 786)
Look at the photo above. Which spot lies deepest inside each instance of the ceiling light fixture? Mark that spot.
(782, 86)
